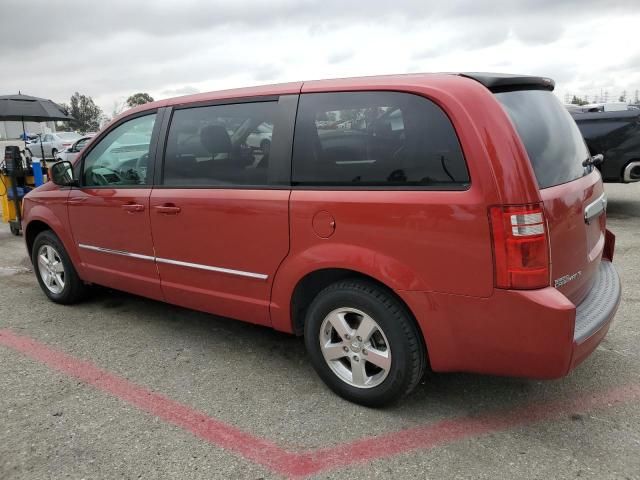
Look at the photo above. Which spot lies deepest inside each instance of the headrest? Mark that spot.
(215, 139)
(382, 129)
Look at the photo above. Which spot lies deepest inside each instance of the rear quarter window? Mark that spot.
(378, 139)
(551, 137)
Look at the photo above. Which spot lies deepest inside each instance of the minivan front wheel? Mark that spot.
(55, 272)
(51, 269)
(363, 343)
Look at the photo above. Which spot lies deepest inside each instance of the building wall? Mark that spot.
(12, 130)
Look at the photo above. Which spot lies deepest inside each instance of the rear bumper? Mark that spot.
(536, 333)
(596, 312)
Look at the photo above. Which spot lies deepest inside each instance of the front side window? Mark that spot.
(220, 145)
(385, 139)
(122, 156)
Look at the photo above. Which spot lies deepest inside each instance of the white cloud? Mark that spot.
(116, 48)
(186, 90)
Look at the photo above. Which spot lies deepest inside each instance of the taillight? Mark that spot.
(520, 246)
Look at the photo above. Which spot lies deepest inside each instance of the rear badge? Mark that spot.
(566, 279)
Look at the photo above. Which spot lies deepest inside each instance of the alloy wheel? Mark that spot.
(355, 347)
(51, 269)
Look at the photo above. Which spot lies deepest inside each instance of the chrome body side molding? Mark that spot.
(116, 252)
(210, 268)
(239, 273)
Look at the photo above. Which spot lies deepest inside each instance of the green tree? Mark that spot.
(86, 114)
(577, 101)
(139, 99)
(62, 126)
(65, 108)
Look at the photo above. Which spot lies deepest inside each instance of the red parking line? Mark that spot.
(460, 428)
(299, 464)
(210, 429)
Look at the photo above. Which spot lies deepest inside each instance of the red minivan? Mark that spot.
(454, 220)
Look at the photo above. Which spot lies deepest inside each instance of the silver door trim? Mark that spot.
(168, 261)
(354, 162)
(239, 273)
(116, 252)
(595, 208)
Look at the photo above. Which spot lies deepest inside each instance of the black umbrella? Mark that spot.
(25, 107)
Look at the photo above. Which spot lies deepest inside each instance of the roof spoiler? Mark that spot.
(504, 82)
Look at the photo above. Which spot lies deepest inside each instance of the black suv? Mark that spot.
(616, 135)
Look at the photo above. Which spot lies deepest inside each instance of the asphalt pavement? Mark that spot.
(124, 387)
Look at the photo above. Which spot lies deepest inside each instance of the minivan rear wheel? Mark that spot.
(363, 343)
(55, 272)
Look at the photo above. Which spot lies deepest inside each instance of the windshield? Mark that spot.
(553, 141)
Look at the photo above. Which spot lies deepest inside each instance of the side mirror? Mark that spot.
(62, 174)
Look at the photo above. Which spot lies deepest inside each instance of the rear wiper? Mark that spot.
(594, 160)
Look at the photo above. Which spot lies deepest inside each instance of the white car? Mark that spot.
(261, 136)
(70, 153)
(52, 143)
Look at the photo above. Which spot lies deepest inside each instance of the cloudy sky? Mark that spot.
(109, 49)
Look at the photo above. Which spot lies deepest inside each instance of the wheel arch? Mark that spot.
(42, 218)
(331, 261)
(311, 284)
(634, 159)
(32, 230)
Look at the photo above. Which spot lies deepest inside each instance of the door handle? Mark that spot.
(133, 207)
(167, 209)
(595, 209)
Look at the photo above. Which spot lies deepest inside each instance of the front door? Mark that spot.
(219, 215)
(109, 213)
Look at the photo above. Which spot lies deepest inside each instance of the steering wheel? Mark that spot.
(140, 171)
(98, 179)
(142, 161)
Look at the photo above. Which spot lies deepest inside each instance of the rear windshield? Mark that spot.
(553, 141)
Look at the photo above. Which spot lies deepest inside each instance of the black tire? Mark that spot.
(408, 352)
(74, 288)
(54, 152)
